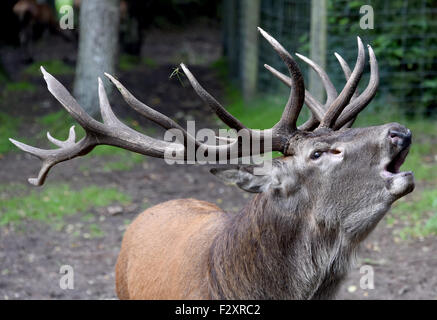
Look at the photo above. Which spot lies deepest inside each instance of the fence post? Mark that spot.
(318, 45)
(250, 19)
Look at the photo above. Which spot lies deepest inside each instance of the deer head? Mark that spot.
(343, 175)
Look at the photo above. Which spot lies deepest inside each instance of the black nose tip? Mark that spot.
(399, 138)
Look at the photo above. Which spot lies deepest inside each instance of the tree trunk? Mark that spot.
(98, 49)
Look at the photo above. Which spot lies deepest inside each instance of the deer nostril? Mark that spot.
(400, 138)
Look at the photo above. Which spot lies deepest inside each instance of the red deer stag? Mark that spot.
(295, 238)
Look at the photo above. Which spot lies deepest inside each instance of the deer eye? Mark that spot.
(316, 155)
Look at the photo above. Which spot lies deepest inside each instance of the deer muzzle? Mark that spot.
(398, 183)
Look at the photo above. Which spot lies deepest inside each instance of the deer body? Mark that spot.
(295, 240)
(296, 237)
(157, 260)
(211, 259)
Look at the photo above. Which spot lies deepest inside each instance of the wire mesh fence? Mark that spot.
(404, 37)
(405, 42)
(289, 22)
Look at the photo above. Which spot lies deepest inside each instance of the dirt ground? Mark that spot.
(31, 255)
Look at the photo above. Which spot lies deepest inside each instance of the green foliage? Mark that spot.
(53, 203)
(404, 42)
(261, 113)
(22, 86)
(95, 231)
(129, 62)
(221, 68)
(418, 217)
(8, 129)
(58, 124)
(127, 162)
(149, 62)
(55, 67)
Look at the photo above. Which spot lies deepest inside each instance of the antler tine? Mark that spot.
(257, 136)
(284, 78)
(142, 108)
(363, 100)
(296, 99)
(344, 97)
(108, 115)
(215, 106)
(229, 150)
(71, 138)
(151, 114)
(315, 107)
(111, 132)
(317, 110)
(69, 149)
(356, 101)
(115, 133)
(331, 92)
(154, 115)
(69, 103)
(347, 72)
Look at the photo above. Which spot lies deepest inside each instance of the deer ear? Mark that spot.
(244, 178)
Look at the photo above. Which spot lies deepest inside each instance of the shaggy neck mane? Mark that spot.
(263, 254)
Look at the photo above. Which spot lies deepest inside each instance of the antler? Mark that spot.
(339, 110)
(297, 94)
(111, 132)
(115, 133)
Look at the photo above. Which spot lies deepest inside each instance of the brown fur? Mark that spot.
(294, 240)
(158, 261)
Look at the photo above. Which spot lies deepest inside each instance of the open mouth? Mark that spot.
(394, 166)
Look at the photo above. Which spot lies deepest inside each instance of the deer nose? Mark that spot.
(399, 138)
